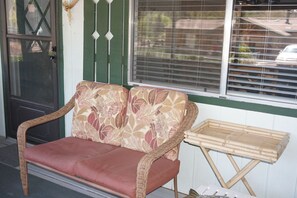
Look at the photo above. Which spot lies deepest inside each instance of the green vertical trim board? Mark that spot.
(60, 62)
(89, 48)
(102, 42)
(116, 42)
(126, 42)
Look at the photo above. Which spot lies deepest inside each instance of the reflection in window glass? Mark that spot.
(259, 64)
(29, 66)
(30, 17)
(178, 43)
(12, 26)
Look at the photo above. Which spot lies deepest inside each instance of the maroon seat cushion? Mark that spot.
(64, 153)
(117, 171)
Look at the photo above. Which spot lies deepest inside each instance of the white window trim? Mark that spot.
(226, 47)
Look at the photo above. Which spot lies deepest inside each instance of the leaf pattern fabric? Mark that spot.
(99, 112)
(153, 116)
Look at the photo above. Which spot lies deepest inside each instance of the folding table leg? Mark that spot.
(213, 166)
(245, 170)
(238, 176)
(243, 179)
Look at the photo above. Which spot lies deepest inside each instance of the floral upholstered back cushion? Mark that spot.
(99, 112)
(153, 116)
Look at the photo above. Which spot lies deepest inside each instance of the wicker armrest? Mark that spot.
(146, 161)
(21, 138)
(22, 129)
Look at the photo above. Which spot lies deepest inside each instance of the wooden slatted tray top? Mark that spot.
(240, 140)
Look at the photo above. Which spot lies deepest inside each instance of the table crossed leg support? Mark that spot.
(238, 176)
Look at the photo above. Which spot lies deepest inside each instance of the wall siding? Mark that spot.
(73, 51)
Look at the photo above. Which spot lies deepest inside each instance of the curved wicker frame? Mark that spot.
(144, 164)
(21, 138)
(147, 160)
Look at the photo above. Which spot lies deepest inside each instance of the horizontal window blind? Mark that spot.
(263, 52)
(178, 43)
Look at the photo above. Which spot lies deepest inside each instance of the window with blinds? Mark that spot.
(178, 43)
(181, 43)
(263, 51)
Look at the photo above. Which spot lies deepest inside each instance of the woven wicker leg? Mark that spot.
(175, 187)
(23, 164)
(24, 177)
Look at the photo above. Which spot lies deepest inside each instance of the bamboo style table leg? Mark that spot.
(243, 179)
(213, 166)
(238, 176)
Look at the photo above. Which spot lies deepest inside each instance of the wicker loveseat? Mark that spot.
(123, 142)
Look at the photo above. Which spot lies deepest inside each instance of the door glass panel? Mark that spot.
(30, 17)
(12, 27)
(31, 70)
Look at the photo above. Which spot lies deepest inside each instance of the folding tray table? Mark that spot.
(232, 139)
